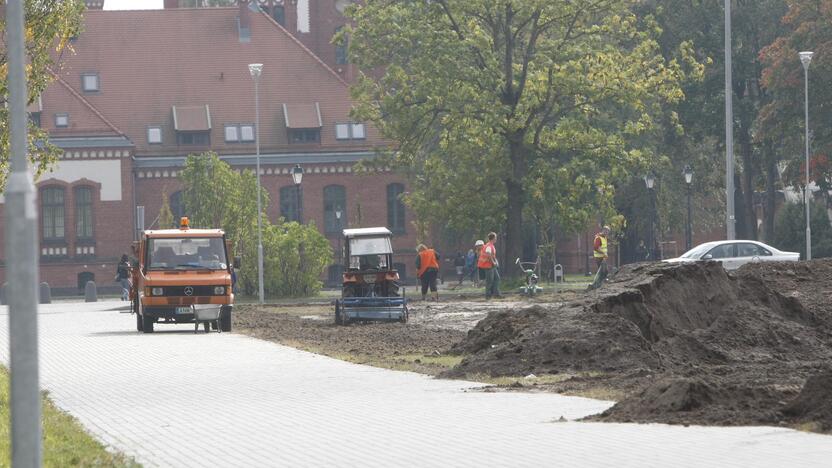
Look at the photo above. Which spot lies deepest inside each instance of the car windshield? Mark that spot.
(370, 245)
(698, 251)
(187, 253)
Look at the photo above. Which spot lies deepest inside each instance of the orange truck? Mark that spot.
(178, 270)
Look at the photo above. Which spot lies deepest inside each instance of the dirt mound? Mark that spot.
(719, 348)
(814, 404)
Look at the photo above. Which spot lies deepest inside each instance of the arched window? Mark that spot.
(279, 14)
(334, 273)
(289, 203)
(83, 277)
(395, 208)
(83, 213)
(52, 213)
(335, 208)
(341, 48)
(177, 207)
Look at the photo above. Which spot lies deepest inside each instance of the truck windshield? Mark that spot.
(185, 253)
(370, 245)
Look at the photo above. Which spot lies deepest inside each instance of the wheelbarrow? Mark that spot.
(207, 315)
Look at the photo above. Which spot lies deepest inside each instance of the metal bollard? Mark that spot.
(90, 292)
(45, 293)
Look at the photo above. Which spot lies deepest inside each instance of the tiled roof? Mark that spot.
(149, 61)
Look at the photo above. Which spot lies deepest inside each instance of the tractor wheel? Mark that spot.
(225, 319)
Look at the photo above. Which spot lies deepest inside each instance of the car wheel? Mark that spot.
(225, 319)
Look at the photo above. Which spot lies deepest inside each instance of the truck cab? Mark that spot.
(178, 269)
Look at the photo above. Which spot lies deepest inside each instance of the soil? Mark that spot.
(687, 344)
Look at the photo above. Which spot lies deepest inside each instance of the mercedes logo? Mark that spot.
(189, 291)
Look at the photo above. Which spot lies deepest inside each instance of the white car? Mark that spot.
(736, 253)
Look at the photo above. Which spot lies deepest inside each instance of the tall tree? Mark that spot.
(50, 24)
(782, 121)
(492, 100)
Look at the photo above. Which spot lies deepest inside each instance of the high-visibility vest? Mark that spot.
(427, 259)
(485, 258)
(602, 251)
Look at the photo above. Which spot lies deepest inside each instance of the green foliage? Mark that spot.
(49, 26)
(216, 196)
(790, 230)
(505, 109)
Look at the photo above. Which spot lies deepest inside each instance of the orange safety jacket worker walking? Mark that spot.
(485, 256)
(427, 260)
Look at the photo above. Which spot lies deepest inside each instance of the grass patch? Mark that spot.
(65, 443)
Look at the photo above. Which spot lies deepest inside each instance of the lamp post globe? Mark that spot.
(255, 69)
(297, 178)
(688, 173)
(650, 183)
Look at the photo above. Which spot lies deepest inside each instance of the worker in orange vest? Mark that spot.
(488, 263)
(427, 269)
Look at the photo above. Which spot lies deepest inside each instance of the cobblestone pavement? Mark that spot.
(179, 399)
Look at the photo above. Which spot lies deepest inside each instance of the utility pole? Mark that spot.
(730, 220)
(22, 261)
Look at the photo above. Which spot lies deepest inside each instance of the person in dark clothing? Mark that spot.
(123, 277)
(427, 269)
(459, 264)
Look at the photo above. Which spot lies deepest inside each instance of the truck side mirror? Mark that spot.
(135, 248)
(237, 262)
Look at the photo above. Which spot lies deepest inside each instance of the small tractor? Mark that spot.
(370, 288)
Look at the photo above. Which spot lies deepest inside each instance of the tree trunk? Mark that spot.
(770, 199)
(513, 242)
(747, 154)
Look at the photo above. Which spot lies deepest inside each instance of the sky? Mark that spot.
(132, 4)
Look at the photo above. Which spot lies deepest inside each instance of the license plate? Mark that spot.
(370, 278)
(183, 310)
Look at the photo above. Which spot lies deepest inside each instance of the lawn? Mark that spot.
(65, 443)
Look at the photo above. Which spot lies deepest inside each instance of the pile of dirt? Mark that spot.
(706, 346)
(814, 404)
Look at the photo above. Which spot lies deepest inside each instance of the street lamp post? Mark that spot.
(806, 59)
(650, 181)
(255, 69)
(338, 229)
(688, 172)
(729, 128)
(297, 178)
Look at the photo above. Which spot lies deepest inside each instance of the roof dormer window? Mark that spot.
(62, 120)
(154, 135)
(90, 82)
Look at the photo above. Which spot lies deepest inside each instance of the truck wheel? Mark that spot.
(225, 319)
(147, 323)
(139, 324)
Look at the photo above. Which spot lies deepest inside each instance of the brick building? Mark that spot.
(146, 88)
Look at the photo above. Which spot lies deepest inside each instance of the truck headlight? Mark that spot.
(219, 290)
(156, 291)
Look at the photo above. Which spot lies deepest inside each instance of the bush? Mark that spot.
(790, 230)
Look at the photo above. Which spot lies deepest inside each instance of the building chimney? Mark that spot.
(171, 4)
(290, 11)
(244, 21)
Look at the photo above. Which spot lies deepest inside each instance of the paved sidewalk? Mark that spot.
(178, 399)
